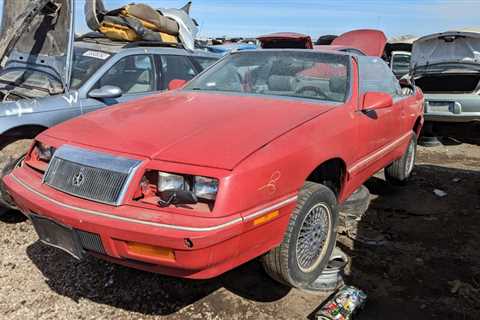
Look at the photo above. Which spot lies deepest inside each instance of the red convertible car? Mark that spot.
(249, 159)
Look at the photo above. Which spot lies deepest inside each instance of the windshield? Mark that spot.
(401, 61)
(30, 79)
(85, 63)
(310, 75)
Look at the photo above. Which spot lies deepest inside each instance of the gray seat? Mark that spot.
(281, 83)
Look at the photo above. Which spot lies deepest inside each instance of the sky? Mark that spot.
(250, 18)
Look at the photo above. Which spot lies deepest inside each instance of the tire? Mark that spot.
(11, 156)
(286, 263)
(357, 204)
(401, 169)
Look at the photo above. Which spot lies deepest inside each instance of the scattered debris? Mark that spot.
(456, 180)
(343, 305)
(440, 193)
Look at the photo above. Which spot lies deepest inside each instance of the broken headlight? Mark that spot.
(40, 156)
(203, 187)
(43, 152)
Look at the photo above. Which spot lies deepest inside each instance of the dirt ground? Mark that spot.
(416, 256)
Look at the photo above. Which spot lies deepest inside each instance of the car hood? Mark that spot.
(197, 128)
(371, 42)
(446, 48)
(36, 37)
(285, 40)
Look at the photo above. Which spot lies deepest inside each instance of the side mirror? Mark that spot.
(176, 83)
(376, 100)
(106, 92)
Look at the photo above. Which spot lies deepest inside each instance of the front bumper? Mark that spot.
(202, 247)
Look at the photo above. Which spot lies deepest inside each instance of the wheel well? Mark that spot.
(417, 126)
(21, 132)
(330, 173)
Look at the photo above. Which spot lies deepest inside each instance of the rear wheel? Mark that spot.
(11, 156)
(309, 239)
(401, 169)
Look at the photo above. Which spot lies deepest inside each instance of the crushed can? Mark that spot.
(343, 304)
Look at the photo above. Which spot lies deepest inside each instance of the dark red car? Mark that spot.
(250, 159)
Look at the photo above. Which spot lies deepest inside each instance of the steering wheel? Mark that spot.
(318, 91)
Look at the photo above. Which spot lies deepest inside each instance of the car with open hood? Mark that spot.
(46, 77)
(446, 66)
(251, 158)
(398, 52)
(363, 42)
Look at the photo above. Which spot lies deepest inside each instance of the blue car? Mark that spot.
(226, 48)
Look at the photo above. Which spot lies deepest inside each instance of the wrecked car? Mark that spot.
(397, 54)
(47, 77)
(362, 42)
(446, 66)
(268, 151)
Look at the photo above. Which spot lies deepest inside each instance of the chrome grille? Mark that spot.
(90, 175)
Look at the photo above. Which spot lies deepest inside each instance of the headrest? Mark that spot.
(338, 84)
(280, 83)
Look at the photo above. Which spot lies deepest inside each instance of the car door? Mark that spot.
(135, 75)
(377, 129)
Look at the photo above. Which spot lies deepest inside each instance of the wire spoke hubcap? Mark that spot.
(312, 237)
(410, 159)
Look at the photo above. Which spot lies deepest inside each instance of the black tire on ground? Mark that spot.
(430, 141)
(399, 171)
(312, 227)
(357, 204)
(11, 156)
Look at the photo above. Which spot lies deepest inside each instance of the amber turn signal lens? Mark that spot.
(266, 218)
(152, 251)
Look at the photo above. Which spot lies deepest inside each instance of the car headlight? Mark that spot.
(170, 181)
(40, 156)
(203, 187)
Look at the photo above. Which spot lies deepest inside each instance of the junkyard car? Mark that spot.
(363, 42)
(249, 159)
(446, 66)
(37, 91)
(398, 52)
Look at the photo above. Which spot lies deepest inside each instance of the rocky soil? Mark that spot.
(415, 254)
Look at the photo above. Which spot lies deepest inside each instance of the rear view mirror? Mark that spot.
(376, 100)
(176, 83)
(106, 92)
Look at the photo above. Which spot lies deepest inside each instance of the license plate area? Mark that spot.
(440, 106)
(56, 235)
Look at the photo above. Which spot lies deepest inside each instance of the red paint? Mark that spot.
(176, 84)
(371, 42)
(260, 149)
(304, 39)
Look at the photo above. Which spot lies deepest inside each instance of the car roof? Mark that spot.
(283, 35)
(104, 44)
(339, 48)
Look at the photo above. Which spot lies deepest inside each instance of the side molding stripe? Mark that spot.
(377, 154)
